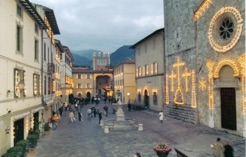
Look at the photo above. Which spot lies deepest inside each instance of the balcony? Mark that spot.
(51, 68)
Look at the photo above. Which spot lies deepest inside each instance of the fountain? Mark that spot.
(120, 123)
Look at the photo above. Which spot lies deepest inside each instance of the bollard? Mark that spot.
(106, 130)
(140, 127)
(101, 123)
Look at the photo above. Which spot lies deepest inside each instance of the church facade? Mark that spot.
(205, 63)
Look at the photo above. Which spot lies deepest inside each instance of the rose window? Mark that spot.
(226, 29)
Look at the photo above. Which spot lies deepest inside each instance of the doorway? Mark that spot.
(228, 108)
(146, 99)
(18, 130)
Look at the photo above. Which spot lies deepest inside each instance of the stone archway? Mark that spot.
(228, 98)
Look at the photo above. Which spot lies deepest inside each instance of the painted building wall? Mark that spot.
(14, 108)
(149, 52)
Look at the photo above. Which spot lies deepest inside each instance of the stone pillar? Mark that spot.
(106, 130)
(140, 127)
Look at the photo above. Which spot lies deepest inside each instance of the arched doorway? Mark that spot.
(146, 99)
(228, 99)
(88, 95)
(102, 85)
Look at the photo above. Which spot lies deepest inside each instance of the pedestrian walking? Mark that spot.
(100, 116)
(71, 116)
(218, 148)
(228, 150)
(129, 106)
(161, 116)
(105, 108)
(79, 116)
(89, 113)
(61, 110)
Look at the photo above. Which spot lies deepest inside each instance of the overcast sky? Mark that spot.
(104, 25)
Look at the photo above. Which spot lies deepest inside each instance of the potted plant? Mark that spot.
(17, 150)
(47, 128)
(32, 138)
(24, 144)
(162, 149)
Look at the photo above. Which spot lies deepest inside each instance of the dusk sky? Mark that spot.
(104, 25)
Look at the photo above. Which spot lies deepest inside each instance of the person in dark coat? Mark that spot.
(79, 116)
(100, 116)
(228, 150)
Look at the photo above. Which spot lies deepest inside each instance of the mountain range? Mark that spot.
(84, 57)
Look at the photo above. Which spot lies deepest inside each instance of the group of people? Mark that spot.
(220, 149)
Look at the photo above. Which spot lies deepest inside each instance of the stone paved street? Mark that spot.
(87, 138)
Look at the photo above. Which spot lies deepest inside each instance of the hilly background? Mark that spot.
(84, 57)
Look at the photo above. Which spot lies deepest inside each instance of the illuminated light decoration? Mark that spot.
(49, 30)
(239, 25)
(202, 84)
(201, 9)
(229, 62)
(242, 61)
(179, 97)
(167, 90)
(186, 75)
(193, 90)
(25, 88)
(35, 85)
(172, 76)
(210, 66)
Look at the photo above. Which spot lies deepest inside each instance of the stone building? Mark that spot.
(149, 55)
(205, 63)
(124, 81)
(95, 81)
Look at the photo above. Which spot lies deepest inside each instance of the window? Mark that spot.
(45, 51)
(139, 71)
(19, 38)
(146, 69)
(155, 98)
(36, 84)
(19, 83)
(88, 85)
(143, 71)
(155, 68)
(79, 85)
(79, 76)
(36, 50)
(136, 72)
(49, 85)
(53, 86)
(19, 11)
(151, 69)
(45, 85)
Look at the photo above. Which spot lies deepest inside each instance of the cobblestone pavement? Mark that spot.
(87, 139)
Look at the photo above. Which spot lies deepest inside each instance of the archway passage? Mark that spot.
(19, 130)
(228, 108)
(102, 85)
(146, 99)
(88, 95)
